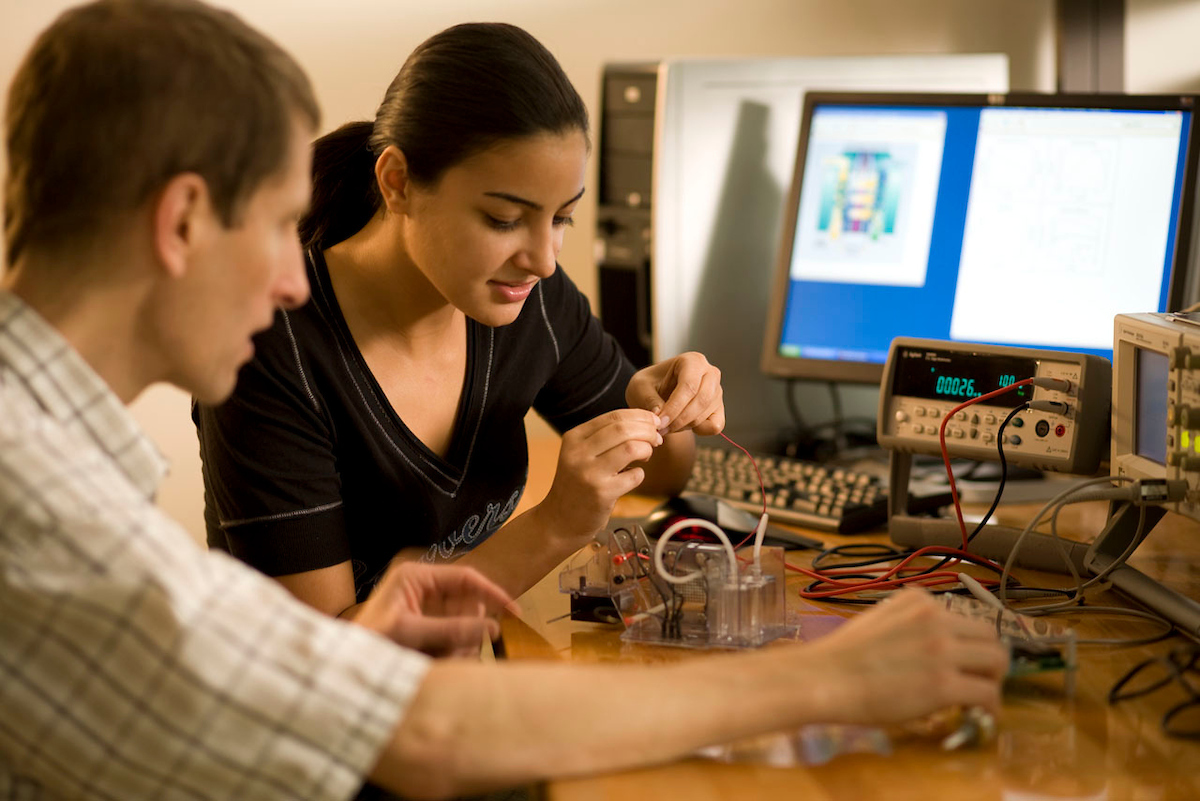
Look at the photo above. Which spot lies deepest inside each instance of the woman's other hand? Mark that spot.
(597, 464)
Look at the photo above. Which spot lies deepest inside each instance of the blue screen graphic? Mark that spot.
(1025, 226)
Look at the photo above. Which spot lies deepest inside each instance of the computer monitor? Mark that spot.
(1019, 219)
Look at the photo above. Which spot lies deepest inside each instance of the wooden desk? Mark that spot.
(1049, 746)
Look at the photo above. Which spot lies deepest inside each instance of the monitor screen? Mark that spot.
(1150, 405)
(1026, 220)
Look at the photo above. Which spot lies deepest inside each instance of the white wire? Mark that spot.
(1058, 499)
(678, 526)
(759, 532)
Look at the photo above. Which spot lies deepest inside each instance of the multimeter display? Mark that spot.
(956, 376)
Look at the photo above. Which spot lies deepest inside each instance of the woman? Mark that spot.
(388, 413)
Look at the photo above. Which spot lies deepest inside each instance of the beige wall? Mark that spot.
(1161, 52)
(352, 48)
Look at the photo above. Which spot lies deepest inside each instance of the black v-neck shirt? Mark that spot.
(307, 464)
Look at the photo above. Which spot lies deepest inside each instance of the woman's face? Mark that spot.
(492, 227)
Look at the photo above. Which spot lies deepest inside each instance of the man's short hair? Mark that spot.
(118, 96)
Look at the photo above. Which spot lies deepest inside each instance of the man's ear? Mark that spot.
(181, 217)
(393, 179)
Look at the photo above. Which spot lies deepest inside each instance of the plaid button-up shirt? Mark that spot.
(133, 664)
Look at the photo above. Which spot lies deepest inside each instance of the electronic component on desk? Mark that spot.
(977, 727)
(924, 379)
(710, 604)
(1036, 644)
(737, 523)
(802, 492)
(1155, 435)
(1156, 402)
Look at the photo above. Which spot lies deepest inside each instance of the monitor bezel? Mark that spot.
(774, 364)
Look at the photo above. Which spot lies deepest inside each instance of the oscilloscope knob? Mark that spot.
(1187, 416)
(1184, 359)
(1181, 458)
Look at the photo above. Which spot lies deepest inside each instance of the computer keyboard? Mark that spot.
(802, 492)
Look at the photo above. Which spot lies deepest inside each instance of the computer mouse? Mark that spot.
(736, 523)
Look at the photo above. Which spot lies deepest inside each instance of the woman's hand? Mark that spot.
(909, 657)
(596, 466)
(685, 391)
(442, 610)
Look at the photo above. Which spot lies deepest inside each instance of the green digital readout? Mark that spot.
(957, 376)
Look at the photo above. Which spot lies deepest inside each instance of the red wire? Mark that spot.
(946, 453)
(890, 578)
(762, 488)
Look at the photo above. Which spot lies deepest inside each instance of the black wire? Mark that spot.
(655, 581)
(877, 550)
(839, 431)
(887, 553)
(1003, 470)
(802, 428)
(884, 554)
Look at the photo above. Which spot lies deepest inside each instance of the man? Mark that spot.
(158, 163)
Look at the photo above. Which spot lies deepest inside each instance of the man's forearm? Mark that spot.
(491, 727)
(472, 727)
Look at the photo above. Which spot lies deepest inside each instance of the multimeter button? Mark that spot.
(957, 433)
(1017, 422)
(1012, 439)
(919, 411)
(933, 412)
(901, 416)
(975, 419)
(987, 437)
(974, 433)
(960, 416)
(1042, 428)
(990, 419)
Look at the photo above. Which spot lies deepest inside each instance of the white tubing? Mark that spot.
(692, 522)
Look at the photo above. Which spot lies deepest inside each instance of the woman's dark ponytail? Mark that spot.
(344, 194)
(460, 92)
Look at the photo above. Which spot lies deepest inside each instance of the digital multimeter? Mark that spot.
(925, 379)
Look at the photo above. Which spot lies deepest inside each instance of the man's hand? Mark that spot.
(442, 610)
(908, 657)
(685, 391)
